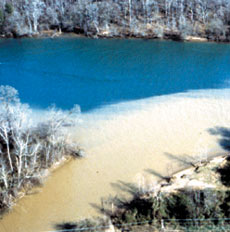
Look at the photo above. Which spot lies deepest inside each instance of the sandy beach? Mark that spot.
(131, 142)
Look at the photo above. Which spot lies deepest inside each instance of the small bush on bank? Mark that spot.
(9, 8)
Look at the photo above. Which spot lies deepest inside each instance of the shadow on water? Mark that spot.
(158, 175)
(106, 207)
(224, 133)
(125, 187)
(185, 161)
(109, 205)
(65, 226)
(87, 225)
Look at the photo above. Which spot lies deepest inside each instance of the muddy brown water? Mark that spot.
(133, 146)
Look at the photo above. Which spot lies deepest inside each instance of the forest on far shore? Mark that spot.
(173, 19)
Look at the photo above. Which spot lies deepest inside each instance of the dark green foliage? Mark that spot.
(9, 8)
(129, 216)
(180, 205)
(159, 209)
(225, 173)
(225, 206)
(1, 17)
(202, 205)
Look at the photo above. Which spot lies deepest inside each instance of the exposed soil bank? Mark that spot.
(131, 142)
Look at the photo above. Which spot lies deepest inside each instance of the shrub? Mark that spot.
(225, 173)
(1, 17)
(9, 8)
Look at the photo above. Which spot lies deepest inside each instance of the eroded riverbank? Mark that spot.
(132, 142)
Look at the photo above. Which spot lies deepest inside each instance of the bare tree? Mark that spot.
(29, 146)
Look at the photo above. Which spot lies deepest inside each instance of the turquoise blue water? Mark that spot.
(94, 73)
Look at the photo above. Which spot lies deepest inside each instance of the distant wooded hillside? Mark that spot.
(137, 18)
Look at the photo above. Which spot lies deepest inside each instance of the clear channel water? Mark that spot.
(93, 73)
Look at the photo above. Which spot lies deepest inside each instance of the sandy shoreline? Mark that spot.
(132, 142)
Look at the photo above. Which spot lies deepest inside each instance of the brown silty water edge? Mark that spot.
(133, 142)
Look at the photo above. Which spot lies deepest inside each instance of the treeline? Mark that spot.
(28, 146)
(108, 18)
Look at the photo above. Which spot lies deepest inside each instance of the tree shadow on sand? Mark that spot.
(224, 133)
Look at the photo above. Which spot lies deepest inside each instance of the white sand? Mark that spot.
(130, 142)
